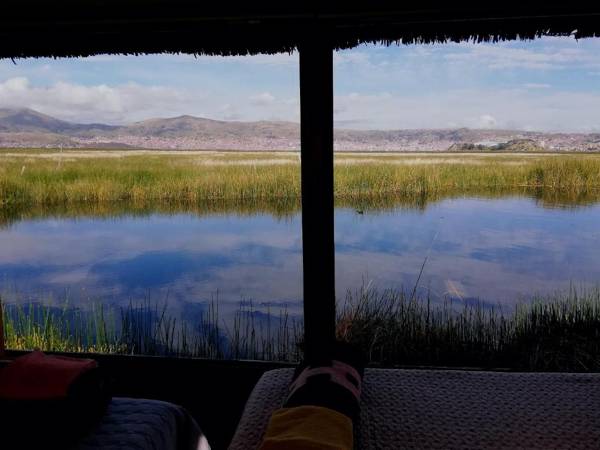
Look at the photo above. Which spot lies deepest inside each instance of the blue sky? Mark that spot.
(550, 84)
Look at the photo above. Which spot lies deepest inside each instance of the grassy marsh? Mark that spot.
(560, 332)
(50, 177)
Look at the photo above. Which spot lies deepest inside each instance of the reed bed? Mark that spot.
(140, 179)
(191, 179)
(149, 329)
(280, 208)
(559, 332)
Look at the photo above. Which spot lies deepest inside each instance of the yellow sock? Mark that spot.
(308, 428)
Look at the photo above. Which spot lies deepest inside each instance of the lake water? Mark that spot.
(499, 251)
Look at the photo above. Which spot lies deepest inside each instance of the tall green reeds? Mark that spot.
(559, 332)
(149, 329)
(188, 180)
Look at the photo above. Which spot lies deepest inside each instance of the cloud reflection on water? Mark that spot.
(499, 250)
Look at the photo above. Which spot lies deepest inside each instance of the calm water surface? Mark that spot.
(494, 250)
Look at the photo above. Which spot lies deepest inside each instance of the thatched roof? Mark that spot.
(86, 27)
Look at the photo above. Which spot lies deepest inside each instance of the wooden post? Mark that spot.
(318, 251)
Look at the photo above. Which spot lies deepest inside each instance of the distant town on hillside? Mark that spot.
(26, 128)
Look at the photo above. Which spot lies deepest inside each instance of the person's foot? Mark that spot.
(334, 382)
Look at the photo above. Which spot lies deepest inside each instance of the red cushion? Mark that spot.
(37, 376)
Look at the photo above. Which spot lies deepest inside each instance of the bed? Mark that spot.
(452, 409)
(131, 424)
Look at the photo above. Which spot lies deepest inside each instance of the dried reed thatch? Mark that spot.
(57, 28)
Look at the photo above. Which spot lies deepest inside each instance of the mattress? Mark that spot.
(452, 409)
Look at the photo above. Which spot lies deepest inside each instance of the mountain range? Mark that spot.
(26, 128)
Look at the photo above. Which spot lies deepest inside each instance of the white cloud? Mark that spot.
(262, 99)
(131, 102)
(89, 103)
(17, 84)
(487, 121)
(472, 108)
(555, 54)
(537, 86)
(354, 57)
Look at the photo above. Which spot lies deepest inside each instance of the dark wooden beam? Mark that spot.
(316, 133)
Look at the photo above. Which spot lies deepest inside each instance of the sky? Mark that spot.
(550, 84)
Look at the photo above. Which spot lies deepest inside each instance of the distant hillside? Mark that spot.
(30, 121)
(29, 128)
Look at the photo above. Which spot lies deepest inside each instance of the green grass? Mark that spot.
(38, 178)
(560, 332)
